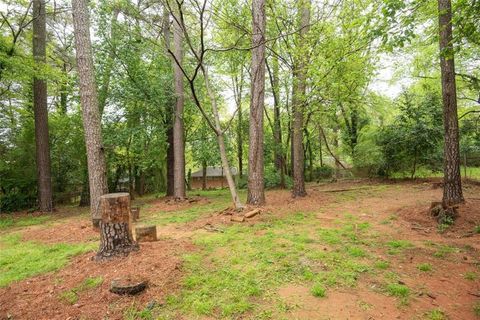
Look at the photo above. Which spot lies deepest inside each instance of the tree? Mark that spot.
(178, 124)
(256, 194)
(44, 179)
(452, 190)
(298, 102)
(89, 101)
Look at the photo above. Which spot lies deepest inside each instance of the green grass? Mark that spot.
(472, 173)
(71, 296)
(397, 246)
(470, 275)
(219, 200)
(23, 259)
(476, 309)
(11, 222)
(382, 264)
(235, 269)
(318, 290)
(425, 267)
(399, 291)
(435, 314)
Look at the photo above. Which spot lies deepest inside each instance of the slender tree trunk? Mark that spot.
(178, 125)
(40, 109)
(238, 88)
(452, 190)
(103, 93)
(169, 116)
(170, 158)
(221, 142)
(256, 194)
(89, 101)
(277, 127)
(298, 103)
(204, 175)
(63, 91)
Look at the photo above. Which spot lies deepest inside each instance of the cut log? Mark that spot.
(135, 211)
(127, 286)
(252, 213)
(146, 233)
(237, 218)
(115, 233)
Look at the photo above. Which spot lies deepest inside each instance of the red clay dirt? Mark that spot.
(403, 205)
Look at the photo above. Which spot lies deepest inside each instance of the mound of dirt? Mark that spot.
(464, 226)
(42, 297)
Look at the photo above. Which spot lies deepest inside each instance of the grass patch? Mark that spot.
(476, 309)
(24, 221)
(444, 250)
(470, 275)
(71, 296)
(436, 314)
(425, 267)
(397, 246)
(399, 291)
(24, 259)
(318, 290)
(382, 264)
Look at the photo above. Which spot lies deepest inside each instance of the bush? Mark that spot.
(272, 179)
(15, 201)
(323, 172)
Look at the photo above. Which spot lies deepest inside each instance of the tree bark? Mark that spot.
(238, 88)
(40, 109)
(89, 101)
(277, 127)
(115, 226)
(256, 193)
(178, 125)
(452, 186)
(298, 102)
(204, 175)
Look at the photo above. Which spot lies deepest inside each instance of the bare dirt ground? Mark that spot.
(394, 210)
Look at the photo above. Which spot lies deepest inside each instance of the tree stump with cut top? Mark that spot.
(115, 226)
(146, 233)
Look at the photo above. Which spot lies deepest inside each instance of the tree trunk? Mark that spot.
(298, 102)
(238, 87)
(178, 125)
(89, 101)
(115, 226)
(221, 142)
(204, 175)
(256, 194)
(277, 127)
(170, 158)
(40, 109)
(169, 115)
(452, 184)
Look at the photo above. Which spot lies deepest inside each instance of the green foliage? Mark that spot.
(414, 139)
(20, 259)
(476, 309)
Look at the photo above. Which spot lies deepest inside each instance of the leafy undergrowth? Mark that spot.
(22, 259)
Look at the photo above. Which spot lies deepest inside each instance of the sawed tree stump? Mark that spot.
(115, 233)
(146, 233)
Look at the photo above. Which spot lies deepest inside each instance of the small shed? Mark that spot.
(211, 178)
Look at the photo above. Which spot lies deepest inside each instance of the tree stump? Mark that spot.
(146, 233)
(135, 213)
(115, 233)
(128, 286)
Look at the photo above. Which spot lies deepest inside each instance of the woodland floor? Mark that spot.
(349, 250)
